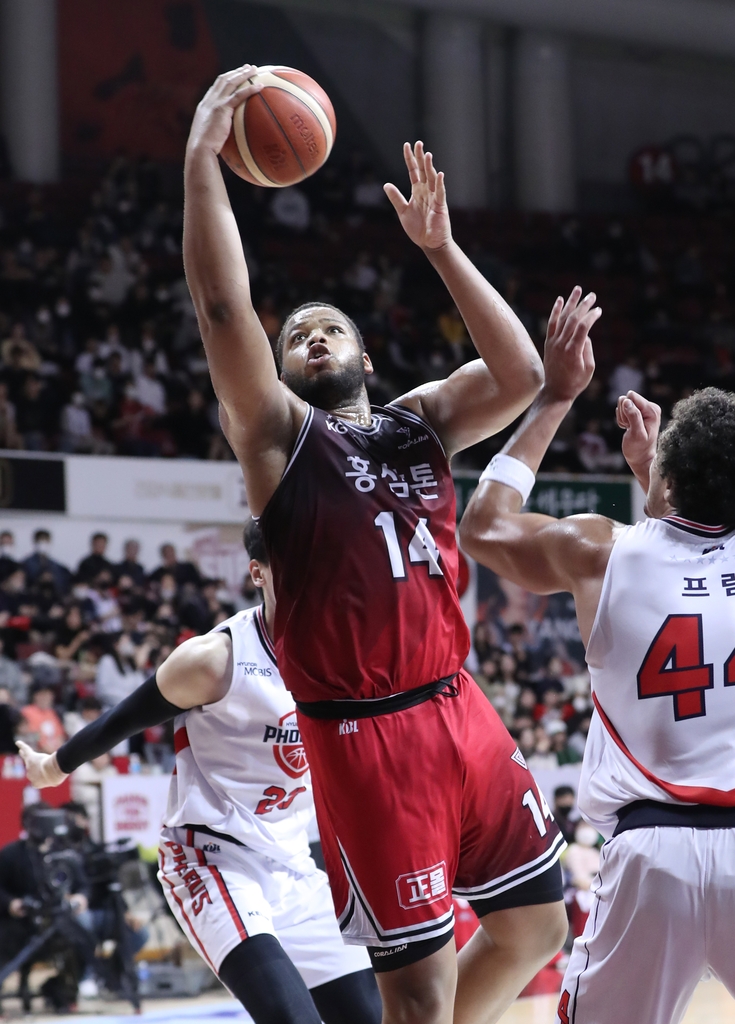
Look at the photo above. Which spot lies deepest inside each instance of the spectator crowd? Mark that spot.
(76, 642)
(100, 350)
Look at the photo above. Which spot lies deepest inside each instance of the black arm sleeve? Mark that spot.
(144, 708)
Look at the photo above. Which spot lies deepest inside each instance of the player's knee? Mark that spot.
(556, 928)
(533, 933)
(418, 1004)
(422, 992)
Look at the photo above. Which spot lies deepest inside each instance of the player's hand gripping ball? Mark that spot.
(283, 133)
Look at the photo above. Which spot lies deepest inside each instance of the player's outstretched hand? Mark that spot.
(213, 117)
(641, 421)
(568, 359)
(425, 217)
(41, 769)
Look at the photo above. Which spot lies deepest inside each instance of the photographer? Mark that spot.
(42, 887)
(102, 917)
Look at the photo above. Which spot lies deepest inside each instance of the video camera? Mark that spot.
(59, 865)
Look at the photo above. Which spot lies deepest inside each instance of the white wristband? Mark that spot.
(512, 472)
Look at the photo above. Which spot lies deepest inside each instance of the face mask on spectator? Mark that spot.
(585, 835)
(580, 703)
(63, 309)
(168, 593)
(42, 547)
(126, 647)
(222, 594)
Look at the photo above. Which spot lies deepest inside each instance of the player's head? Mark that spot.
(322, 356)
(259, 567)
(694, 468)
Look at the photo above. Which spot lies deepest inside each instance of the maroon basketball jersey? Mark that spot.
(361, 534)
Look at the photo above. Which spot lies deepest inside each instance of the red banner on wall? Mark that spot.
(131, 73)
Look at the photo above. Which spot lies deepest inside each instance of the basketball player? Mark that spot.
(418, 787)
(235, 864)
(656, 610)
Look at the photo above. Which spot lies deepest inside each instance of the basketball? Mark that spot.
(284, 133)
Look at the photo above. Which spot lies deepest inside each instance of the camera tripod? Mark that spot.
(63, 926)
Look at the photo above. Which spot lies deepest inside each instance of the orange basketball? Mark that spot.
(282, 134)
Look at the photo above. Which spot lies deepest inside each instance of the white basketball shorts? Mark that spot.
(663, 918)
(221, 894)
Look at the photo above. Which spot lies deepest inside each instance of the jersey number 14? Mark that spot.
(421, 548)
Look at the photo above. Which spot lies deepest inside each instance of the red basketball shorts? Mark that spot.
(420, 803)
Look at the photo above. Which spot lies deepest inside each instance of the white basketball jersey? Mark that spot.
(662, 662)
(241, 768)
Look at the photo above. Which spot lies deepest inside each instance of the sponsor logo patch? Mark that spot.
(288, 748)
(417, 888)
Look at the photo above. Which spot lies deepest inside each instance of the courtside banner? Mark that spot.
(164, 490)
(133, 807)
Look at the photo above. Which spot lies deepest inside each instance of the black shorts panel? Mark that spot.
(390, 958)
(544, 888)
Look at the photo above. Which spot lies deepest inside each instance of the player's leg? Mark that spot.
(388, 796)
(508, 867)
(421, 992)
(642, 952)
(338, 976)
(353, 997)
(217, 892)
(720, 896)
(259, 973)
(503, 955)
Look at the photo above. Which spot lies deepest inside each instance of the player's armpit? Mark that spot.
(469, 405)
(198, 672)
(541, 554)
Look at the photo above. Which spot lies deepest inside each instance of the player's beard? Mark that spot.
(331, 389)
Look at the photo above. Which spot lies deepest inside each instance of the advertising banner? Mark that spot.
(133, 807)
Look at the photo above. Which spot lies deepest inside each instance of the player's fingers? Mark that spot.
(441, 189)
(24, 750)
(621, 416)
(418, 152)
(554, 316)
(582, 327)
(411, 164)
(572, 302)
(232, 79)
(396, 198)
(430, 172)
(240, 95)
(635, 427)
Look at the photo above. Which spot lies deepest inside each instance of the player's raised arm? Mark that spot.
(542, 554)
(485, 395)
(196, 673)
(259, 416)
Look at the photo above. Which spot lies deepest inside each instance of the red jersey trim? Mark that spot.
(183, 911)
(224, 892)
(698, 529)
(687, 794)
(181, 740)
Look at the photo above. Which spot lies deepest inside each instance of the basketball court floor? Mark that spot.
(711, 1005)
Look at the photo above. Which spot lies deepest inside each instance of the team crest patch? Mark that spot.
(289, 752)
(428, 885)
(518, 757)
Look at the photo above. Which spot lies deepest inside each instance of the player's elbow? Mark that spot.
(530, 378)
(473, 533)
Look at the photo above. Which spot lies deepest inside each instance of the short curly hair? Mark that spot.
(696, 455)
(314, 305)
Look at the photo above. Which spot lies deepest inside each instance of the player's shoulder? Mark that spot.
(240, 620)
